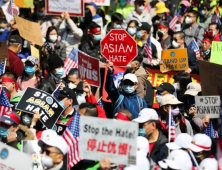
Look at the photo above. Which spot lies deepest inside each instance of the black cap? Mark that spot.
(145, 26)
(139, 1)
(79, 86)
(54, 62)
(165, 87)
(67, 92)
(139, 58)
(15, 39)
(205, 5)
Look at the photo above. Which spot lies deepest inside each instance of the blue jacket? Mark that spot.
(5, 35)
(130, 101)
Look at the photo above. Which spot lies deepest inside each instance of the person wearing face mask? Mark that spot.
(163, 89)
(206, 48)
(206, 15)
(15, 64)
(80, 94)
(56, 71)
(12, 132)
(53, 149)
(164, 37)
(214, 29)
(132, 28)
(149, 127)
(127, 98)
(73, 79)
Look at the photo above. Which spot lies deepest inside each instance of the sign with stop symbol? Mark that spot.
(119, 47)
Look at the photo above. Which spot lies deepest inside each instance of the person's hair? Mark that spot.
(3, 20)
(73, 71)
(101, 13)
(181, 34)
(9, 75)
(156, 122)
(50, 29)
(133, 21)
(91, 109)
(206, 154)
(195, 13)
(184, 79)
(2, 15)
(116, 17)
(164, 23)
(139, 3)
(127, 113)
(94, 25)
(14, 125)
(208, 38)
(216, 24)
(41, 4)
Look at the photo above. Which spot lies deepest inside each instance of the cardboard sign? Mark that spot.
(23, 3)
(114, 139)
(13, 159)
(216, 50)
(34, 52)
(73, 7)
(88, 69)
(4, 52)
(119, 47)
(208, 106)
(29, 30)
(34, 100)
(210, 77)
(60, 128)
(99, 2)
(174, 60)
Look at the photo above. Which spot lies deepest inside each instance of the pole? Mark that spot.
(195, 161)
(169, 127)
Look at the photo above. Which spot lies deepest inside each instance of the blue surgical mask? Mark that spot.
(62, 104)
(26, 119)
(202, 12)
(41, 14)
(4, 132)
(139, 34)
(117, 26)
(131, 31)
(29, 70)
(59, 72)
(97, 37)
(128, 89)
(122, 2)
(142, 132)
(158, 98)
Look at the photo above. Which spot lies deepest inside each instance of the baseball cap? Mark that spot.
(93, 4)
(193, 89)
(145, 115)
(208, 164)
(165, 87)
(131, 77)
(34, 60)
(183, 140)
(200, 142)
(145, 26)
(185, 3)
(67, 92)
(142, 146)
(50, 137)
(205, 5)
(10, 117)
(15, 39)
(169, 99)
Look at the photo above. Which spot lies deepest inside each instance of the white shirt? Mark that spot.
(4, 7)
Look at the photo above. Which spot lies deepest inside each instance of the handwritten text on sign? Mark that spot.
(101, 138)
(208, 106)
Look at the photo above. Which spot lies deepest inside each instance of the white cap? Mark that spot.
(131, 77)
(200, 142)
(169, 99)
(183, 140)
(193, 89)
(208, 164)
(50, 137)
(142, 146)
(146, 115)
(177, 159)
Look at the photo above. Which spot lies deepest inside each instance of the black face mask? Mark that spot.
(160, 34)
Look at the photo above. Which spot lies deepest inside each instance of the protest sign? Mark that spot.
(99, 2)
(210, 77)
(23, 3)
(208, 106)
(4, 53)
(13, 159)
(73, 7)
(216, 50)
(60, 128)
(34, 52)
(29, 30)
(34, 100)
(100, 138)
(88, 69)
(174, 60)
(119, 47)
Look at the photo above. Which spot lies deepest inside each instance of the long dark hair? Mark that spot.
(48, 31)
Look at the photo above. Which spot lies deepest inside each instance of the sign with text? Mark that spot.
(114, 139)
(60, 128)
(99, 2)
(208, 106)
(23, 3)
(216, 50)
(174, 60)
(73, 7)
(119, 47)
(34, 100)
(13, 159)
(88, 69)
(4, 52)
(29, 30)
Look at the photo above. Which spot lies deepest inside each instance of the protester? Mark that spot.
(163, 89)
(206, 14)
(88, 109)
(73, 79)
(163, 34)
(132, 28)
(214, 28)
(206, 48)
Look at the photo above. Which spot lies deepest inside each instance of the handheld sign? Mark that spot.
(174, 60)
(34, 100)
(88, 69)
(23, 3)
(119, 47)
(4, 52)
(215, 56)
(114, 139)
(208, 106)
(99, 2)
(60, 128)
(73, 7)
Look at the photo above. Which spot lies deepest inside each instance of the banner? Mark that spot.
(114, 139)
(88, 69)
(4, 52)
(208, 106)
(23, 3)
(73, 7)
(216, 50)
(34, 100)
(99, 2)
(174, 60)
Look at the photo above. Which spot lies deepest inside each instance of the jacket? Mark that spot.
(60, 50)
(217, 37)
(130, 101)
(206, 21)
(160, 150)
(5, 35)
(124, 10)
(188, 128)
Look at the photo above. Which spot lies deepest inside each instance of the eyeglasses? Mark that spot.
(48, 151)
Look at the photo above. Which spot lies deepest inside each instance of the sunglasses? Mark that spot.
(48, 151)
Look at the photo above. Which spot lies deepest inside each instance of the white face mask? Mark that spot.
(188, 20)
(140, 8)
(81, 98)
(72, 85)
(53, 38)
(175, 44)
(158, 98)
(47, 161)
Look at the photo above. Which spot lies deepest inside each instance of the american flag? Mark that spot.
(100, 102)
(193, 46)
(55, 94)
(148, 48)
(216, 17)
(71, 61)
(174, 20)
(2, 67)
(172, 131)
(209, 131)
(4, 103)
(71, 136)
(12, 8)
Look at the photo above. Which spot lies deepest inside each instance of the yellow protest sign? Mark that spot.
(174, 60)
(23, 3)
(216, 50)
(29, 30)
(34, 51)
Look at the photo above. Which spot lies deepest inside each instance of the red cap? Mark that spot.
(10, 117)
(94, 30)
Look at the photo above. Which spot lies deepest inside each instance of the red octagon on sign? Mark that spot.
(119, 47)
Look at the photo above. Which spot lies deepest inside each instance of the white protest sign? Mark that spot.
(13, 159)
(99, 2)
(208, 106)
(114, 139)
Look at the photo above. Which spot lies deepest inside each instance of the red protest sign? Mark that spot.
(88, 69)
(119, 47)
